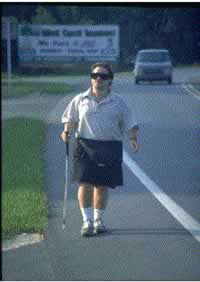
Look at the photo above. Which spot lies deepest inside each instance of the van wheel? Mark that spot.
(170, 80)
(136, 81)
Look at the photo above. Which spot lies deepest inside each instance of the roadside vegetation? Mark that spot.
(23, 88)
(19, 87)
(24, 200)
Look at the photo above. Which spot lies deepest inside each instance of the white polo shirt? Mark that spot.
(107, 120)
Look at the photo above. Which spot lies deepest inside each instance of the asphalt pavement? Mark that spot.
(145, 241)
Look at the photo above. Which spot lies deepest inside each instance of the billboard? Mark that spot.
(67, 43)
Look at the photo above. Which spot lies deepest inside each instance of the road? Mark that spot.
(146, 240)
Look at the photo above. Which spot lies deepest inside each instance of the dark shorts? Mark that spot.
(98, 162)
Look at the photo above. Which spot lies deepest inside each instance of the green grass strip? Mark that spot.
(24, 201)
(27, 88)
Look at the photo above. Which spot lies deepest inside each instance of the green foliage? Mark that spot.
(24, 211)
(22, 153)
(24, 201)
(27, 88)
(43, 16)
(62, 14)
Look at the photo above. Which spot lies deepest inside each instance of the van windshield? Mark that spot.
(153, 57)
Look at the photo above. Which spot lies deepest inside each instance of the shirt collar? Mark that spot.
(88, 94)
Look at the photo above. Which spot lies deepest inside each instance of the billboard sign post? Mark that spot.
(9, 67)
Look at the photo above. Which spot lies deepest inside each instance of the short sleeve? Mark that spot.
(128, 118)
(71, 112)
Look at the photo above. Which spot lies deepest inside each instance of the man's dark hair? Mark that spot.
(105, 66)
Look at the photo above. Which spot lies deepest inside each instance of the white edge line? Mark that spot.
(187, 221)
(194, 89)
(191, 91)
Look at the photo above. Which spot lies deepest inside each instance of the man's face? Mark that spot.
(100, 83)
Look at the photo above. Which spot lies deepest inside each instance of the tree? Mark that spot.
(43, 16)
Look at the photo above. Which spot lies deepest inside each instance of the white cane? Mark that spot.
(68, 171)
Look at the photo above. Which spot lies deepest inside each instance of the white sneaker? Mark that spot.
(87, 229)
(99, 227)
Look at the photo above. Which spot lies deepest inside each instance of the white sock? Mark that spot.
(87, 213)
(98, 214)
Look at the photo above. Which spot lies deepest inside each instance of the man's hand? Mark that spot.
(135, 145)
(132, 134)
(65, 135)
(68, 127)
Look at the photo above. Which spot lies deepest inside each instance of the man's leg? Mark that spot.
(99, 203)
(85, 195)
(85, 198)
(100, 197)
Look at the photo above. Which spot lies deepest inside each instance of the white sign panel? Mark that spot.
(63, 43)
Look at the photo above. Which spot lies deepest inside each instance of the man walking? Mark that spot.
(101, 119)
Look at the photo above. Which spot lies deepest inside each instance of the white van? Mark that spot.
(153, 64)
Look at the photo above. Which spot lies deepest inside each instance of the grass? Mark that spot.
(24, 201)
(23, 88)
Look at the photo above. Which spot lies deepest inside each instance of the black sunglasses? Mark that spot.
(103, 76)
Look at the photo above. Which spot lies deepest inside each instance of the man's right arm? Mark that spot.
(70, 118)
